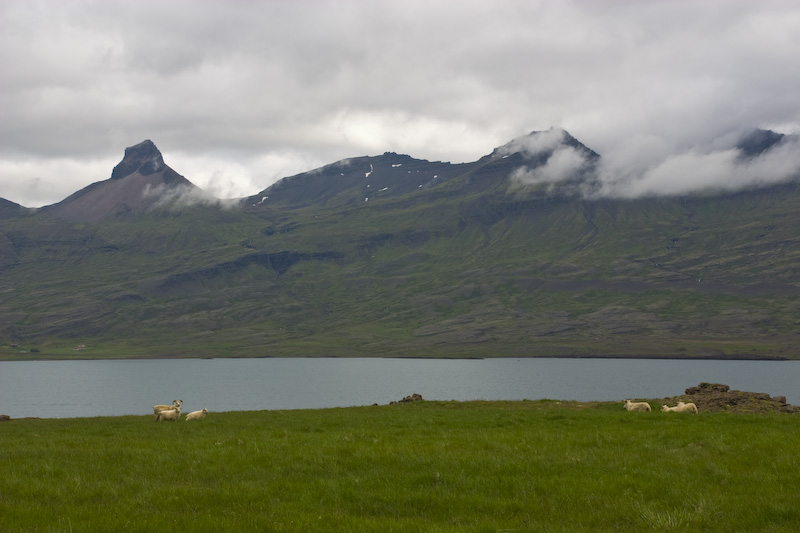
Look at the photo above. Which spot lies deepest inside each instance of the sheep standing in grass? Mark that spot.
(197, 415)
(636, 406)
(171, 415)
(176, 404)
(680, 408)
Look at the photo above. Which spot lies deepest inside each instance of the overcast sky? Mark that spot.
(237, 94)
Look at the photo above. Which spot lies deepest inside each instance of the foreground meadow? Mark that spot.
(424, 466)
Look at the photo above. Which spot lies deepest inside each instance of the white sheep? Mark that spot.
(171, 415)
(176, 404)
(636, 406)
(680, 408)
(197, 415)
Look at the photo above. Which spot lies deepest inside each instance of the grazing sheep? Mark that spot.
(171, 415)
(636, 406)
(680, 408)
(176, 404)
(197, 415)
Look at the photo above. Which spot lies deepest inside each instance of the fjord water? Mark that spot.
(87, 388)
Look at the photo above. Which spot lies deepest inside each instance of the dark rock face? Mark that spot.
(757, 142)
(143, 157)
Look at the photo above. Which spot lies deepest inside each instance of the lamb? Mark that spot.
(636, 406)
(680, 408)
(197, 415)
(171, 415)
(176, 404)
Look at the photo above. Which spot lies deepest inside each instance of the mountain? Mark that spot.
(9, 209)
(390, 255)
(138, 183)
(758, 141)
(351, 182)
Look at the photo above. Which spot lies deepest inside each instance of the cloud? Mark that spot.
(178, 197)
(257, 90)
(701, 171)
(534, 145)
(35, 183)
(385, 130)
(565, 163)
(234, 175)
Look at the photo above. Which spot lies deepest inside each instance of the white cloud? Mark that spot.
(564, 163)
(378, 131)
(534, 145)
(696, 171)
(227, 175)
(35, 183)
(178, 197)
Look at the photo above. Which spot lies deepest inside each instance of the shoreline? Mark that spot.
(732, 357)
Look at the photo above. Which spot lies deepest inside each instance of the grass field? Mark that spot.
(425, 466)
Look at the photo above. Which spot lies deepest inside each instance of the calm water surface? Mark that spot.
(64, 389)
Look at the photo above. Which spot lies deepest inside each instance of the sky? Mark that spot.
(238, 94)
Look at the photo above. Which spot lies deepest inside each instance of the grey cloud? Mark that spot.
(241, 83)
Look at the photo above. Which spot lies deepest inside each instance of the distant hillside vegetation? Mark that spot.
(394, 256)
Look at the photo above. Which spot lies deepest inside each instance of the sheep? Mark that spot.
(680, 408)
(170, 415)
(197, 415)
(158, 408)
(636, 406)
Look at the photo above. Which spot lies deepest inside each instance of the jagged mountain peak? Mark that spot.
(140, 182)
(143, 158)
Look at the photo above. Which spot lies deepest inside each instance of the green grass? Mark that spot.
(429, 466)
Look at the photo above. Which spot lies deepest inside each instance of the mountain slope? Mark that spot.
(139, 182)
(9, 209)
(363, 179)
(432, 259)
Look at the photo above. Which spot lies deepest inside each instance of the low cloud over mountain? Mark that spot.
(550, 161)
(553, 158)
(550, 157)
(737, 162)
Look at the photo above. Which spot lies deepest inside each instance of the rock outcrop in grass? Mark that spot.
(711, 397)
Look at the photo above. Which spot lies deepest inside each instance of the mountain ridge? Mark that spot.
(387, 174)
(534, 149)
(448, 261)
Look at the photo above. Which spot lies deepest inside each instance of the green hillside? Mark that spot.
(464, 266)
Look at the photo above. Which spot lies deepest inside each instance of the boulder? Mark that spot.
(719, 397)
(413, 398)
